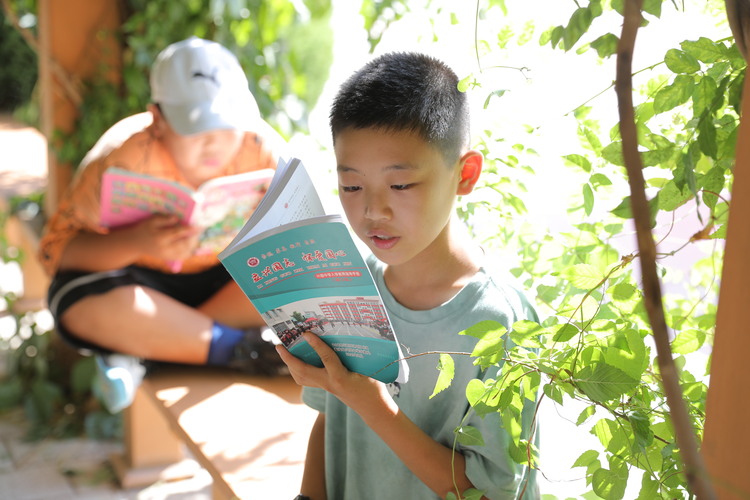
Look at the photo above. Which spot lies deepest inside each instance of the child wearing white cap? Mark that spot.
(115, 291)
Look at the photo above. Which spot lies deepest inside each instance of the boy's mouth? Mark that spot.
(382, 241)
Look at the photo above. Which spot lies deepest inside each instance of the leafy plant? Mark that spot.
(596, 343)
(19, 69)
(51, 383)
(595, 346)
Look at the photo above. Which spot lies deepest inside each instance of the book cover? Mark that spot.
(219, 206)
(307, 274)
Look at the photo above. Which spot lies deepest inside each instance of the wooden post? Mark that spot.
(726, 434)
(77, 38)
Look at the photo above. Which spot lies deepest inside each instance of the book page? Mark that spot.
(290, 197)
(128, 197)
(224, 204)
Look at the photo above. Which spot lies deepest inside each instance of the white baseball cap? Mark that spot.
(200, 86)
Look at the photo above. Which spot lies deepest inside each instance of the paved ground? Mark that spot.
(74, 469)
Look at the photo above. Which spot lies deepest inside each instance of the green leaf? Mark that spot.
(470, 494)
(679, 61)
(552, 36)
(623, 210)
(602, 382)
(526, 333)
(641, 427)
(583, 276)
(712, 182)
(610, 484)
(605, 45)
(688, 341)
(622, 292)
(546, 293)
(477, 395)
(684, 175)
(707, 138)
(447, 370)
(591, 139)
(653, 7)
(579, 23)
(705, 50)
(631, 357)
(565, 333)
(495, 93)
(553, 392)
(588, 199)
(674, 95)
(649, 488)
(659, 150)
(703, 96)
(586, 414)
(469, 436)
(586, 458)
(599, 179)
(520, 450)
(613, 154)
(579, 160)
(465, 83)
(671, 197)
(491, 338)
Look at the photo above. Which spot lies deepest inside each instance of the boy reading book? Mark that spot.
(115, 290)
(401, 137)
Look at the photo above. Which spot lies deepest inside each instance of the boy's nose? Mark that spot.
(376, 208)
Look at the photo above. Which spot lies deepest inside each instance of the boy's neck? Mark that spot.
(438, 273)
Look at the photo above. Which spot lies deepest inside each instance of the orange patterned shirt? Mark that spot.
(132, 145)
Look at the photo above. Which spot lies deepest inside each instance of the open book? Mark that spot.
(219, 206)
(303, 272)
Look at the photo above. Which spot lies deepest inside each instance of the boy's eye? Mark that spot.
(350, 189)
(401, 187)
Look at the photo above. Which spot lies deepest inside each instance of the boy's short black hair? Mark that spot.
(406, 91)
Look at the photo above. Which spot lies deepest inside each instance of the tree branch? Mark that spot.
(695, 471)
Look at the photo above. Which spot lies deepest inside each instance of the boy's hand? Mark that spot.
(356, 391)
(164, 237)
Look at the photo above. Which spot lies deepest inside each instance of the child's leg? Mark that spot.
(142, 322)
(231, 306)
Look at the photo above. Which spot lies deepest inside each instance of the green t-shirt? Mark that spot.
(359, 465)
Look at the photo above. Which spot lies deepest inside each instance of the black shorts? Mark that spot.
(69, 287)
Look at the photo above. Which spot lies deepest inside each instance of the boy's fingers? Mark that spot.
(296, 366)
(287, 357)
(327, 355)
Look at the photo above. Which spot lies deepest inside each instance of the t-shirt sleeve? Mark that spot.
(78, 211)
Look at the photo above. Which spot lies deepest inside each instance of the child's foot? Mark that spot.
(256, 356)
(117, 378)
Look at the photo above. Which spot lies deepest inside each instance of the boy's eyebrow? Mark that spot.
(395, 166)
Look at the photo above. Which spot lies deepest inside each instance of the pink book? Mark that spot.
(219, 206)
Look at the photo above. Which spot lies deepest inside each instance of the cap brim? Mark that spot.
(220, 114)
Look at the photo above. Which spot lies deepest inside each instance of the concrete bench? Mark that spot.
(249, 433)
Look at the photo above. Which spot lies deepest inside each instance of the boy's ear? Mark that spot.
(471, 168)
(159, 121)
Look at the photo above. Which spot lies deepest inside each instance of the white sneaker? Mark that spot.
(117, 378)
